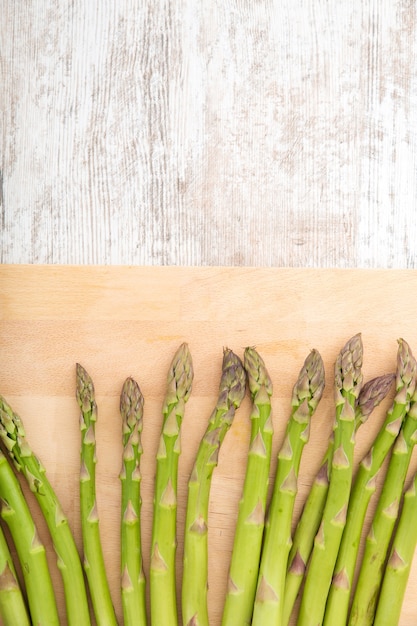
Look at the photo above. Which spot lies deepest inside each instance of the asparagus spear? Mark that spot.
(12, 604)
(348, 382)
(132, 579)
(364, 486)
(307, 392)
(94, 565)
(30, 550)
(164, 541)
(386, 513)
(370, 396)
(195, 571)
(399, 563)
(13, 436)
(246, 551)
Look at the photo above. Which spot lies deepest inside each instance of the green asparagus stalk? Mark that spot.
(377, 542)
(370, 396)
(348, 382)
(30, 550)
(12, 603)
(94, 565)
(195, 570)
(13, 436)
(337, 607)
(164, 540)
(307, 392)
(243, 573)
(398, 567)
(132, 579)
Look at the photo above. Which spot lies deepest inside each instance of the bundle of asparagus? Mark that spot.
(370, 396)
(270, 564)
(14, 439)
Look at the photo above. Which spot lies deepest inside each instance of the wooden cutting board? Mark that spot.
(128, 321)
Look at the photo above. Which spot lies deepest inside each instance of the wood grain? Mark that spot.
(215, 133)
(128, 321)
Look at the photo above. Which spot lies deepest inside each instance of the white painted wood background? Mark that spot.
(232, 132)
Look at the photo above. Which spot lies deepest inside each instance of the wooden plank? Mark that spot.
(128, 321)
(215, 133)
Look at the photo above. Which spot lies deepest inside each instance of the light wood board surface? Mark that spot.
(128, 321)
(223, 132)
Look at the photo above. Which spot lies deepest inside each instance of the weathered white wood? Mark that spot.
(216, 132)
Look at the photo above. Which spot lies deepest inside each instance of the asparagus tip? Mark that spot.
(256, 371)
(372, 394)
(348, 367)
(311, 381)
(180, 375)
(406, 365)
(84, 389)
(131, 403)
(233, 379)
